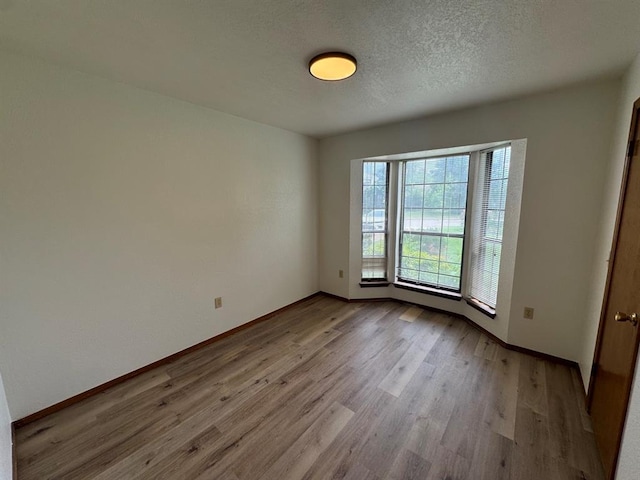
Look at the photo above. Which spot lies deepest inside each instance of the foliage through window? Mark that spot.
(433, 217)
(375, 181)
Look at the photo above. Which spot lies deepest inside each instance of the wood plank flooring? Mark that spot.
(329, 390)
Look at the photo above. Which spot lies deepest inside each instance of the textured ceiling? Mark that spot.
(249, 57)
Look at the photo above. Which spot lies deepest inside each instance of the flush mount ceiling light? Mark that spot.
(332, 66)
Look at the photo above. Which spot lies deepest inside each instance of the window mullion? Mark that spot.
(393, 224)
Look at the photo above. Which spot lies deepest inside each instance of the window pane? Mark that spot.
(434, 196)
(493, 224)
(429, 266)
(380, 198)
(500, 225)
(411, 263)
(374, 220)
(495, 194)
(408, 274)
(414, 172)
(379, 219)
(368, 196)
(458, 169)
(381, 173)
(448, 281)
(432, 221)
(411, 245)
(413, 196)
(429, 278)
(434, 209)
(452, 250)
(434, 170)
(497, 165)
(455, 195)
(413, 219)
(379, 244)
(451, 269)
(503, 205)
(367, 173)
(453, 221)
(367, 244)
(430, 247)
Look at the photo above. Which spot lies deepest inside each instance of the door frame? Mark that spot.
(630, 150)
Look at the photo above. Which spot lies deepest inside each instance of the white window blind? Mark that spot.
(488, 224)
(375, 187)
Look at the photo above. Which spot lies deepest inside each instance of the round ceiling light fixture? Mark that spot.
(333, 66)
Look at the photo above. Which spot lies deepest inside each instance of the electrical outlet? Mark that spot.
(528, 313)
(218, 302)
(341, 273)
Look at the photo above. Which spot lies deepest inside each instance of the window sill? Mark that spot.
(374, 284)
(481, 307)
(429, 291)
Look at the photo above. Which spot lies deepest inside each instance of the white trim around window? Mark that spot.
(426, 294)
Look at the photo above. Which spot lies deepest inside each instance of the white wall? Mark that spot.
(6, 451)
(568, 135)
(629, 463)
(123, 214)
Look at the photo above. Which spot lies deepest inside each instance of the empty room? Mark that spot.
(359, 240)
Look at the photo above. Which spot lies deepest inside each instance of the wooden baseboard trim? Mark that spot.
(337, 297)
(544, 356)
(502, 343)
(163, 361)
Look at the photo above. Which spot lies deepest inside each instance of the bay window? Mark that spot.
(427, 238)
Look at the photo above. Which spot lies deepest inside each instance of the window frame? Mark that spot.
(374, 281)
(423, 295)
(483, 184)
(400, 212)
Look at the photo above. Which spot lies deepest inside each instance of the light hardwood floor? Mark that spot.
(328, 389)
